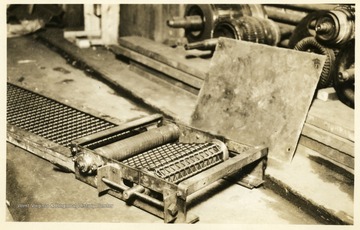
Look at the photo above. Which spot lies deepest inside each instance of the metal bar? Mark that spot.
(285, 15)
(127, 126)
(140, 195)
(140, 143)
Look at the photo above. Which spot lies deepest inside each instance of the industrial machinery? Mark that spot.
(330, 27)
(200, 19)
(156, 165)
(310, 44)
(246, 28)
(325, 32)
(337, 26)
(344, 77)
(152, 163)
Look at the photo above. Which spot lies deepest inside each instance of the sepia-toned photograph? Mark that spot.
(187, 113)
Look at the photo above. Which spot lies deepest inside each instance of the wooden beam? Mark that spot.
(187, 61)
(329, 139)
(164, 68)
(335, 156)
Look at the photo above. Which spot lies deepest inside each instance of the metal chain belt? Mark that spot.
(48, 118)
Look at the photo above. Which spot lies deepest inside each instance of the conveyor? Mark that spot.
(153, 163)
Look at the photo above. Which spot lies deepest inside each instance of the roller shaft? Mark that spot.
(207, 44)
(140, 143)
(193, 22)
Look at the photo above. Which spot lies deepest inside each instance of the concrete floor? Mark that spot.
(38, 183)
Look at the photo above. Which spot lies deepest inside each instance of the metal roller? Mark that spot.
(247, 28)
(259, 36)
(196, 161)
(208, 44)
(272, 32)
(140, 143)
(175, 162)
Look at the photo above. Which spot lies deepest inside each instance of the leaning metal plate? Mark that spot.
(258, 95)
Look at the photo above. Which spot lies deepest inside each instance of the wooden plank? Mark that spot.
(342, 159)
(110, 21)
(173, 102)
(329, 139)
(186, 61)
(161, 78)
(332, 116)
(91, 21)
(249, 95)
(168, 70)
(149, 21)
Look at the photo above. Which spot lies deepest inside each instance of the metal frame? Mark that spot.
(162, 198)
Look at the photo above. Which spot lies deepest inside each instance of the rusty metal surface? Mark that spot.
(257, 94)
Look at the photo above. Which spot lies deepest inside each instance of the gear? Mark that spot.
(310, 44)
(259, 31)
(200, 20)
(271, 32)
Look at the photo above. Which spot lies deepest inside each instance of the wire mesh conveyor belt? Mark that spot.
(48, 118)
(175, 162)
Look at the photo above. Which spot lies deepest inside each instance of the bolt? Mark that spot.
(179, 193)
(145, 181)
(324, 28)
(93, 167)
(73, 149)
(172, 209)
